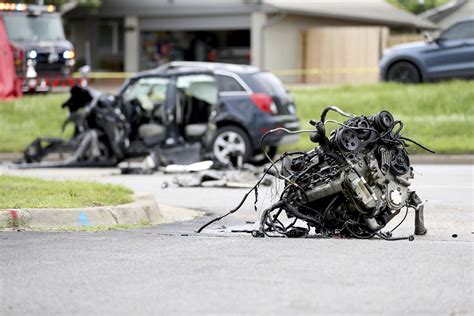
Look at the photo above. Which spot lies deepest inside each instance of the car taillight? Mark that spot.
(264, 102)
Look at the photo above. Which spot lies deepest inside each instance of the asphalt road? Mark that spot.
(170, 270)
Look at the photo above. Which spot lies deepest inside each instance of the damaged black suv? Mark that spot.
(179, 113)
(226, 107)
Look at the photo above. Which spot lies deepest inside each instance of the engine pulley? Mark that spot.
(347, 140)
(400, 163)
(383, 120)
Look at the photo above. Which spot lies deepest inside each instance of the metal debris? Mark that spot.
(351, 185)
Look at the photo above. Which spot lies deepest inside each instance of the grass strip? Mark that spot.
(24, 192)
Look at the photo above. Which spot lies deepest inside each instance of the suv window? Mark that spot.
(228, 84)
(269, 83)
(149, 91)
(459, 31)
(201, 87)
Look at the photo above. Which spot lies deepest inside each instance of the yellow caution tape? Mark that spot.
(106, 75)
(325, 71)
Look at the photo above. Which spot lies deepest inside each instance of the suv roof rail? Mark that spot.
(206, 65)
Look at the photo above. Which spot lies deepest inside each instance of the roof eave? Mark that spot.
(423, 24)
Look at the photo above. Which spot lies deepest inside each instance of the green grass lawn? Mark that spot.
(23, 192)
(440, 115)
(22, 120)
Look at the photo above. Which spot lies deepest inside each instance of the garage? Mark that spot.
(228, 46)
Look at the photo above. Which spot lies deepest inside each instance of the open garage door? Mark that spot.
(226, 46)
(195, 38)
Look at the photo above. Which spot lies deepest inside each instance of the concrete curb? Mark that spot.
(143, 210)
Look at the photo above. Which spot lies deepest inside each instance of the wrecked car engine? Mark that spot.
(351, 185)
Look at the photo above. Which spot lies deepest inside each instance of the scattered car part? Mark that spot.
(99, 137)
(232, 178)
(147, 166)
(351, 185)
(195, 167)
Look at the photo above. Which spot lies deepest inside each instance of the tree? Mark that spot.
(417, 6)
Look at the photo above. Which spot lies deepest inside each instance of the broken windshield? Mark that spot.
(23, 28)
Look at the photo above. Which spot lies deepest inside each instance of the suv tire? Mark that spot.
(228, 139)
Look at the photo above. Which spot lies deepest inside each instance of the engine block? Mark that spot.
(350, 185)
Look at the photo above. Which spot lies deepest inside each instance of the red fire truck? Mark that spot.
(43, 58)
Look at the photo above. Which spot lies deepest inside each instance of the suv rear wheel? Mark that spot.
(229, 139)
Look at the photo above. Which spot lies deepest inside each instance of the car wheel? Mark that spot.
(103, 151)
(229, 139)
(404, 72)
(261, 159)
